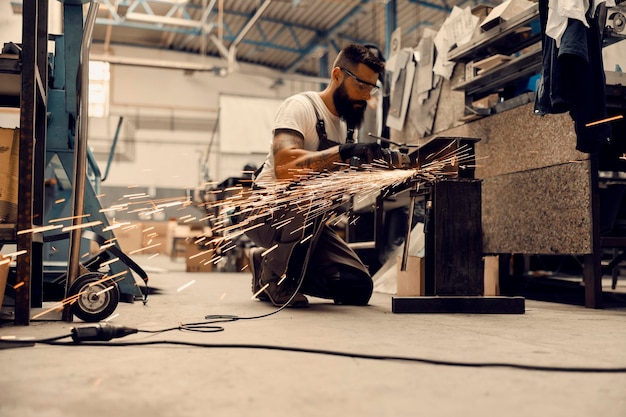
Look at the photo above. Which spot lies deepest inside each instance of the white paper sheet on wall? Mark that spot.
(426, 49)
(400, 96)
(457, 29)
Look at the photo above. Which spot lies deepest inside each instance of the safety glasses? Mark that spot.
(362, 84)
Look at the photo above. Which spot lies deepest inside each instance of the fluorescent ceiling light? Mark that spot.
(141, 17)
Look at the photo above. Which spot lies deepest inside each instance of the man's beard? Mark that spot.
(351, 111)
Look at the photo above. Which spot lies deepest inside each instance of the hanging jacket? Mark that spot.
(572, 79)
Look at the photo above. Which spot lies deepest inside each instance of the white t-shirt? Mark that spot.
(297, 113)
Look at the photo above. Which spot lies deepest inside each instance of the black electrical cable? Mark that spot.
(200, 327)
(317, 227)
(55, 342)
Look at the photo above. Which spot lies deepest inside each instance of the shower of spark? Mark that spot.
(309, 194)
(39, 229)
(313, 194)
(112, 317)
(183, 287)
(608, 119)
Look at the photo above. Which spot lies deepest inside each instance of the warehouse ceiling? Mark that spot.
(290, 36)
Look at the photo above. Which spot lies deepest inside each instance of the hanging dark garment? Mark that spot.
(572, 79)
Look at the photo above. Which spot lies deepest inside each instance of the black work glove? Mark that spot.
(366, 152)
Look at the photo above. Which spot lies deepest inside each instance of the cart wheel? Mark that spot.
(95, 299)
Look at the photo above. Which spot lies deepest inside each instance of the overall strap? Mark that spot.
(320, 127)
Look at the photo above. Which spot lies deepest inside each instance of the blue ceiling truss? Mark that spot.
(184, 11)
(175, 17)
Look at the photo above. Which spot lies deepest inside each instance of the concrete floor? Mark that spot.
(179, 381)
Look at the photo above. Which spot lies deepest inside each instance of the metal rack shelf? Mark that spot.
(523, 66)
(25, 79)
(514, 39)
(10, 80)
(505, 38)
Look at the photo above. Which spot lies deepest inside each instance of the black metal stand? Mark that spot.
(454, 267)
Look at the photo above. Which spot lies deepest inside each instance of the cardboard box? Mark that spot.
(411, 282)
(9, 151)
(9, 164)
(155, 237)
(129, 237)
(200, 256)
(4, 274)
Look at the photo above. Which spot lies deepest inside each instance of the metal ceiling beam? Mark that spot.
(390, 24)
(158, 63)
(179, 19)
(160, 20)
(191, 27)
(140, 14)
(194, 32)
(202, 27)
(431, 5)
(232, 49)
(321, 37)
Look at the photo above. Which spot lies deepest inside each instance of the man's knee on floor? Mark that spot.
(352, 287)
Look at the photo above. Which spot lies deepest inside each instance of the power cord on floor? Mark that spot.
(100, 334)
(96, 335)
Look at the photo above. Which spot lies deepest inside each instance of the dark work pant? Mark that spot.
(333, 270)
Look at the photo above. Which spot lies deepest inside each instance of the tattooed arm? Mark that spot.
(290, 157)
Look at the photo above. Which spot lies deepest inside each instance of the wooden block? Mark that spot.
(491, 62)
(411, 281)
(492, 276)
(486, 102)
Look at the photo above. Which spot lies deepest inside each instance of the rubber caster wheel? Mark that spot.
(96, 299)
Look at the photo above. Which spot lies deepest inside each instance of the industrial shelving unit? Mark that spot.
(515, 40)
(30, 67)
(518, 42)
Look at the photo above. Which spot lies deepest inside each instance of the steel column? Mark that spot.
(32, 140)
